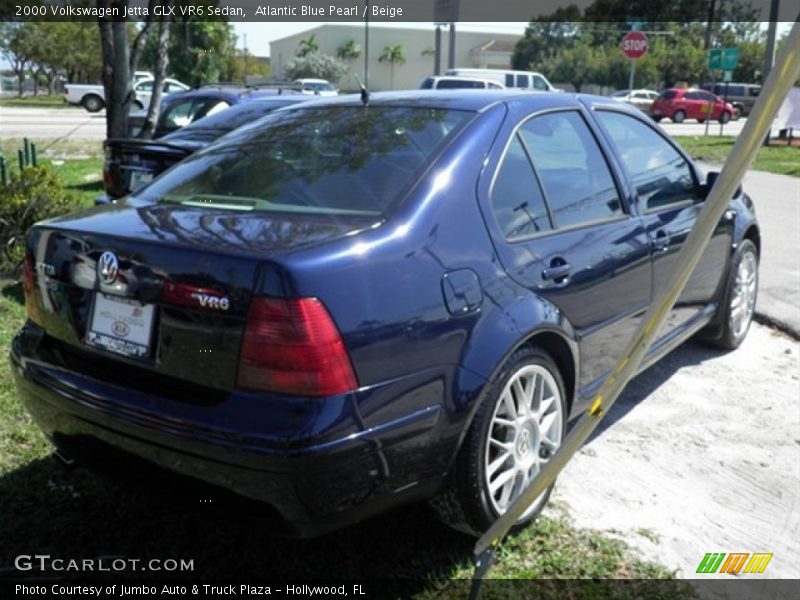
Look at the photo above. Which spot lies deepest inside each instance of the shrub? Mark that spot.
(316, 66)
(30, 196)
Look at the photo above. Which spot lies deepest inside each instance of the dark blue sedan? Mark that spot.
(348, 305)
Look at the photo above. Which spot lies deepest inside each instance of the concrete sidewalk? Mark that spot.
(777, 201)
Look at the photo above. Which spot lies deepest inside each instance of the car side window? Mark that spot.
(660, 175)
(178, 115)
(516, 198)
(691, 96)
(145, 87)
(509, 80)
(539, 83)
(577, 181)
(522, 82)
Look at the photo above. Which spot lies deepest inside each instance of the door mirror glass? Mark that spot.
(711, 178)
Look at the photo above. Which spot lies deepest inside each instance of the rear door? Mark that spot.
(669, 199)
(564, 232)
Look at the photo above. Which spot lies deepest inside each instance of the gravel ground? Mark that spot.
(700, 454)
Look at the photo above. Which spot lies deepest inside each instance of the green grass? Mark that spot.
(94, 517)
(80, 163)
(55, 101)
(783, 160)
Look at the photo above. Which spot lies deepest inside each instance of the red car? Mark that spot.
(679, 104)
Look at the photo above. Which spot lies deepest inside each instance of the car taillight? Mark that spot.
(28, 287)
(292, 346)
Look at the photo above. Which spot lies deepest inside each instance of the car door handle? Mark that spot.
(557, 272)
(661, 241)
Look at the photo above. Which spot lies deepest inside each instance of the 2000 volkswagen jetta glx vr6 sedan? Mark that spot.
(342, 307)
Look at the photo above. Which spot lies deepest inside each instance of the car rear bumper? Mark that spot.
(349, 467)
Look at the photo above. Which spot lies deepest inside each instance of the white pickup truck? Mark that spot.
(92, 95)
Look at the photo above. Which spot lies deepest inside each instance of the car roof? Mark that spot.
(459, 99)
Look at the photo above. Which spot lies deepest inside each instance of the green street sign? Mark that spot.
(723, 58)
(730, 58)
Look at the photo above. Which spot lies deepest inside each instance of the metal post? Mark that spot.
(724, 104)
(772, 32)
(33, 154)
(451, 51)
(710, 106)
(437, 50)
(26, 145)
(366, 45)
(21, 158)
(777, 86)
(630, 81)
(3, 171)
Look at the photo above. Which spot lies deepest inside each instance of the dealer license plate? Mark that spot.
(121, 325)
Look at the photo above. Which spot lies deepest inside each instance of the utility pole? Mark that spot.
(366, 45)
(451, 57)
(245, 58)
(772, 32)
(437, 50)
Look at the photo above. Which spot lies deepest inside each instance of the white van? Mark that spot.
(452, 83)
(524, 80)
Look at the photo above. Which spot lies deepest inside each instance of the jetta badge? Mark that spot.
(108, 267)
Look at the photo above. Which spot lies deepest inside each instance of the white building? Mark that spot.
(473, 49)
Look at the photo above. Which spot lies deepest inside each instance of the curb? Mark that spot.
(778, 324)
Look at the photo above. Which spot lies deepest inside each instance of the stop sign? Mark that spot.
(634, 44)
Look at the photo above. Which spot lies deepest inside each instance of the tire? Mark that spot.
(701, 121)
(741, 292)
(93, 103)
(679, 116)
(724, 117)
(473, 500)
(737, 112)
(656, 119)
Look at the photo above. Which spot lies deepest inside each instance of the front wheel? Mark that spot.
(93, 103)
(725, 117)
(518, 426)
(740, 298)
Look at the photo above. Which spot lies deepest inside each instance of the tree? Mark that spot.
(394, 55)
(546, 36)
(161, 63)
(17, 45)
(200, 52)
(308, 46)
(349, 50)
(317, 65)
(114, 43)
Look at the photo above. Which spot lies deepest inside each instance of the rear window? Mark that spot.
(668, 95)
(452, 84)
(335, 159)
(427, 83)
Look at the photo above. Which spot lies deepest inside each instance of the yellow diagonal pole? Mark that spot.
(783, 75)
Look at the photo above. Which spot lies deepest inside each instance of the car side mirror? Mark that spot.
(711, 178)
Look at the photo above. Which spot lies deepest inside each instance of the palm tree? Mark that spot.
(308, 46)
(349, 50)
(394, 55)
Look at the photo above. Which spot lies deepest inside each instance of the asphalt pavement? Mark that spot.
(777, 202)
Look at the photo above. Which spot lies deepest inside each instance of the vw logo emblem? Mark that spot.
(108, 267)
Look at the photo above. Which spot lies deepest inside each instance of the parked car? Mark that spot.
(742, 96)
(178, 110)
(524, 80)
(679, 104)
(452, 82)
(315, 87)
(641, 99)
(92, 96)
(336, 310)
(131, 163)
(144, 90)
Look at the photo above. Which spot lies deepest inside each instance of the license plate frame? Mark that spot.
(121, 325)
(139, 179)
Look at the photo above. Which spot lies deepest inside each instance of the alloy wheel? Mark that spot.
(743, 299)
(526, 429)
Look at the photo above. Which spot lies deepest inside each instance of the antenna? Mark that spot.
(364, 91)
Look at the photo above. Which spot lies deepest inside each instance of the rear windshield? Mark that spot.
(230, 119)
(328, 159)
(668, 95)
(452, 84)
